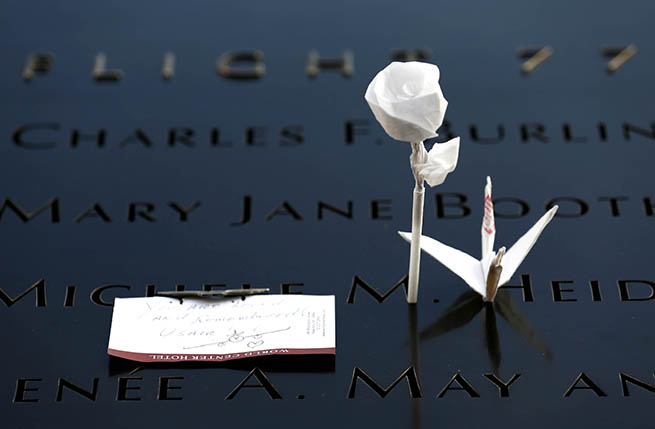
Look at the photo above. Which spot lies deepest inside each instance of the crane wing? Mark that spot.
(460, 263)
(517, 253)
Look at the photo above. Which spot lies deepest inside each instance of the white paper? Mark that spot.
(474, 272)
(407, 101)
(441, 160)
(159, 329)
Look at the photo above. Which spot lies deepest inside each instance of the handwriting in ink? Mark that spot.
(238, 337)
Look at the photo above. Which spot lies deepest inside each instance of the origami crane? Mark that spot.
(494, 269)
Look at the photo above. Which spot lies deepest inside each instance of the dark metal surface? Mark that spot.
(547, 340)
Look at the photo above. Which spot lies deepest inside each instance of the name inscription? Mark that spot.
(170, 388)
(446, 206)
(559, 290)
(52, 135)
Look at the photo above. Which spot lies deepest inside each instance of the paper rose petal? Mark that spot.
(441, 160)
(407, 101)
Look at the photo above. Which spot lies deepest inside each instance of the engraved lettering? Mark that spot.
(245, 65)
(291, 135)
(405, 55)
(315, 63)
(97, 294)
(95, 210)
(556, 285)
(409, 375)
(595, 290)
(649, 205)
(69, 298)
(602, 131)
(526, 286)
(165, 387)
(264, 383)
(522, 208)
(53, 204)
(215, 138)
(138, 136)
(628, 129)
(568, 135)
(325, 206)
(144, 213)
(91, 395)
(21, 389)
(184, 213)
(379, 207)
(124, 387)
(100, 72)
(255, 136)
(588, 385)
(247, 211)
(534, 57)
(285, 288)
(168, 66)
(614, 204)
(37, 63)
(358, 281)
(355, 127)
(284, 208)
(533, 131)
(463, 385)
(17, 136)
(473, 130)
(624, 290)
(181, 135)
(625, 379)
(98, 137)
(38, 287)
(503, 388)
(619, 56)
(464, 210)
(583, 207)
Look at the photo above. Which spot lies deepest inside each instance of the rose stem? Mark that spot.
(417, 225)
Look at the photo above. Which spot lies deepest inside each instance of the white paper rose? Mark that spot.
(407, 101)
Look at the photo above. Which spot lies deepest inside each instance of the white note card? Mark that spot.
(160, 329)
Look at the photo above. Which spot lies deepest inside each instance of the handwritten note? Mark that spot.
(161, 329)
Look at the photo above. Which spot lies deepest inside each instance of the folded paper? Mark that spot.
(434, 166)
(494, 268)
(407, 101)
(160, 329)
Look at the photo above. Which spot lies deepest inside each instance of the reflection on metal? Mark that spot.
(493, 277)
(226, 65)
(168, 66)
(468, 305)
(619, 56)
(534, 57)
(38, 63)
(491, 338)
(100, 73)
(315, 63)
(414, 354)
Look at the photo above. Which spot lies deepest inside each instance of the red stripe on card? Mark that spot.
(196, 357)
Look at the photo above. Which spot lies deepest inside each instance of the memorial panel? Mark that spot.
(151, 146)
